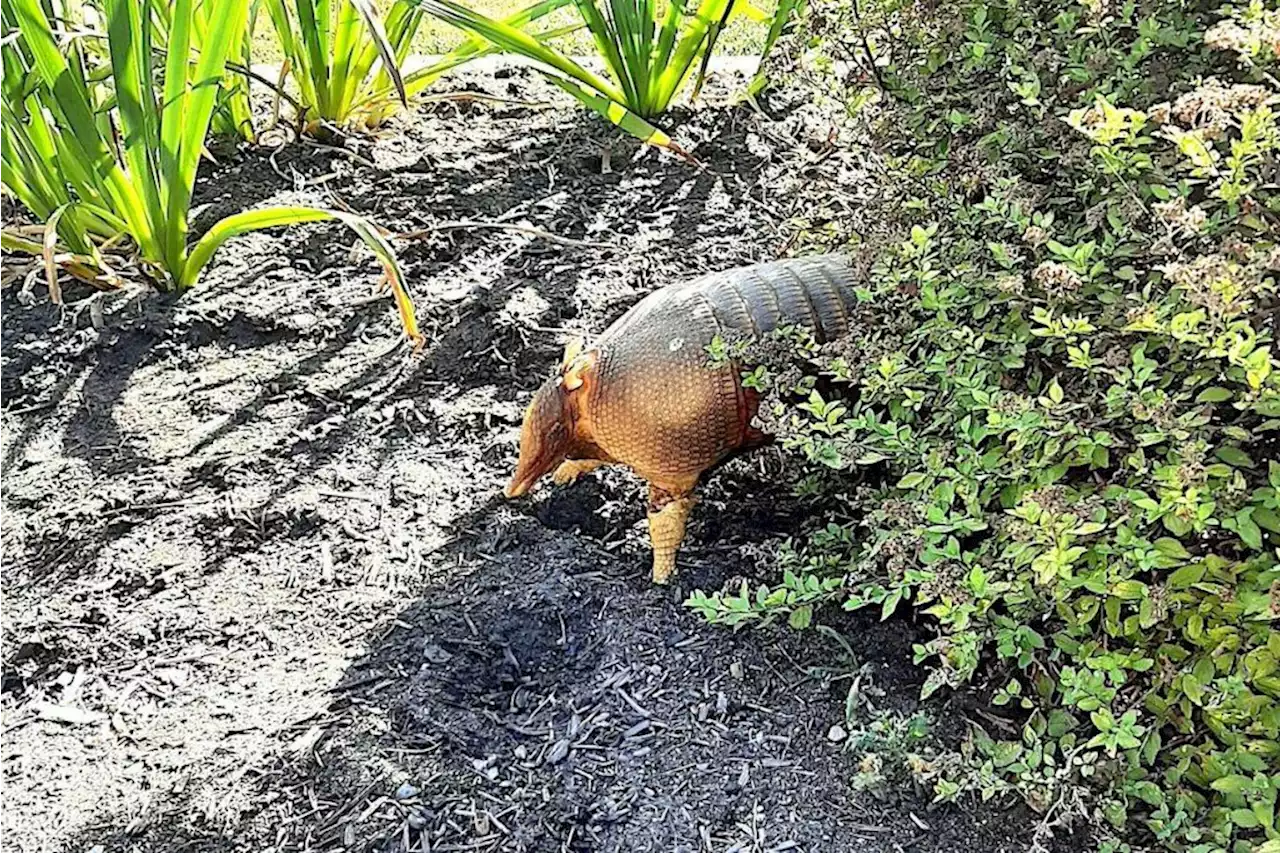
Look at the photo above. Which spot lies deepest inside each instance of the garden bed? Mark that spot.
(262, 591)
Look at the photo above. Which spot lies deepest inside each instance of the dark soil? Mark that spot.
(262, 592)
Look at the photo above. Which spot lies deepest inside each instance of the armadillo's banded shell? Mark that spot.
(659, 405)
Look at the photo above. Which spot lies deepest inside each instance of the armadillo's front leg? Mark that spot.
(572, 469)
(668, 510)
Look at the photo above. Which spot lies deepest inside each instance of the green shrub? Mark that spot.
(331, 49)
(346, 60)
(650, 51)
(100, 152)
(1069, 393)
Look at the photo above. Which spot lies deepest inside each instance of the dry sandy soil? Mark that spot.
(261, 589)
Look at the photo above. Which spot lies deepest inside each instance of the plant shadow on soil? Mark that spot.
(265, 552)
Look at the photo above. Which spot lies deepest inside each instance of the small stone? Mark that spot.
(417, 819)
(435, 654)
(735, 669)
(836, 733)
(406, 792)
(559, 752)
(521, 753)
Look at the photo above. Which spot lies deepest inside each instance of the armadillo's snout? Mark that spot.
(542, 441)
(516, 488)
(521, 481)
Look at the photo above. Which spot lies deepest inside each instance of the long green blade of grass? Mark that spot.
(128, 26)
(515, 40)
(477, 45)
(273, 217)
(389, 64)
(781, 17)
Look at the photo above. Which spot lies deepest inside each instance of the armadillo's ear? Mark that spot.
(573, 371)
(571, 350)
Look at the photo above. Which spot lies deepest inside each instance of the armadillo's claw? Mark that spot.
(572, 469)
(667, 517)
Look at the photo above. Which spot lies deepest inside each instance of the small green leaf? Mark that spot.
(1214, 395)
(1172, 548)
(1187, 576)
(1244, 819)
(1234, 456)
(800, 617)
(1231, 784)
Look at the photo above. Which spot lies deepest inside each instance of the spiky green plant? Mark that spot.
(35, 166)
(331, 48)
(345, 59)
(650, 51)
(95, 164)
(232, 114)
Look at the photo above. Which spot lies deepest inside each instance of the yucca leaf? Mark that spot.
(607, 44)
(686, 51)
(624, 118)
(135, 102)
(47, 249)
(331, 46)
(11, 242)
(667, 34)
(515, 40)
(272, 217)
(781, 16)
(315, 42)
(198, 106)
(710, 45)
(344, 38)
(477, 45)
(81, 146)
(296, 56)
(379, 36)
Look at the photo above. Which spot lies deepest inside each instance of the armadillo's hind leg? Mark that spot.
(668, 511)
(572, 469)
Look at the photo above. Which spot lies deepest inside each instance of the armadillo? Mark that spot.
(647, 395)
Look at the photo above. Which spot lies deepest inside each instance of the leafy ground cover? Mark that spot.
(1058, 437)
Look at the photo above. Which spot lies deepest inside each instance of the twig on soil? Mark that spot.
(161, 505)
(351, 496)
(363, 161)
(358, 683)
(38, 407)
(503, 226)
(635, 706)
(492, 99)
(19, 724)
